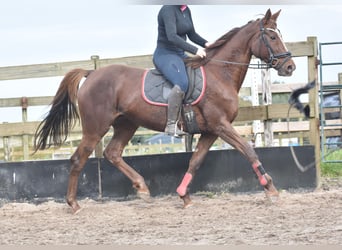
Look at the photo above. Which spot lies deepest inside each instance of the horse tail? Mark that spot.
(55, 127)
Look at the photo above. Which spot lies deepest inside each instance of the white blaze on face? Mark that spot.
(279, 35)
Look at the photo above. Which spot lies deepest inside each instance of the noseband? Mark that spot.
(273, 60)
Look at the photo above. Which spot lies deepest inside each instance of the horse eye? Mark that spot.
(273, 37)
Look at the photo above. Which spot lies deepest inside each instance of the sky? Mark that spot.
(40, 31)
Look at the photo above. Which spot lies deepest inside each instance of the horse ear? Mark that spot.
(267, 16)
(275, 16)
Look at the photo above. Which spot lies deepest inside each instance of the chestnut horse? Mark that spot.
(111, 97)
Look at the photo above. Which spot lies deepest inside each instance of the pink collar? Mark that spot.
(183, 7)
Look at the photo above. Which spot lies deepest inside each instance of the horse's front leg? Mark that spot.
(202, 148)
(229, 134)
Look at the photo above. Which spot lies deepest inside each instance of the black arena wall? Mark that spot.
(222, 171)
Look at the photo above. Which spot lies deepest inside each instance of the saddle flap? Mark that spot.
(156, 89)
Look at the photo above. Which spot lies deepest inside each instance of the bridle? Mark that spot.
(273, 59)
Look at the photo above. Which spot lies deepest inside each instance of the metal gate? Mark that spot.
(330, 101)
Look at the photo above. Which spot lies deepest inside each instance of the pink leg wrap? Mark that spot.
(181, 190)
(261, 176)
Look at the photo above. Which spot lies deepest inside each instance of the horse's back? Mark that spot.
(116, 72)
(110, 86)
(112, 77)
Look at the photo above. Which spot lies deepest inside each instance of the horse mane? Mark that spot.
(196, 61)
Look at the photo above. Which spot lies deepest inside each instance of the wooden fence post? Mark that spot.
(314, 133)
(7, 151)
(257, 125)
(267, 100)
(25, 140)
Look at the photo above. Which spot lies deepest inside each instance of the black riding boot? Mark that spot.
(175, 100)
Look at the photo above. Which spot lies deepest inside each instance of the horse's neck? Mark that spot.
(237, 50)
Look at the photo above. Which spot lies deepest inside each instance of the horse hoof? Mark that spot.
(271, 192)
(273, 198)
(75, 208)
(188, 205)
(187, 201)
(74, 212)
(145, 196)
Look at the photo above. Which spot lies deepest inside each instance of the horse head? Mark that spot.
(268, 45)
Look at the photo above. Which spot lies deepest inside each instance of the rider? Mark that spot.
(174, 25)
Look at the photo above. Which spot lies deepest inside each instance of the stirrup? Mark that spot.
(173, 130)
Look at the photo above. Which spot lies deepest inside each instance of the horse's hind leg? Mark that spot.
(229, 134)
(123, 132)
(78, 160)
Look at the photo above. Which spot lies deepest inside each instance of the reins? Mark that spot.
(272, 60)
(250, 65)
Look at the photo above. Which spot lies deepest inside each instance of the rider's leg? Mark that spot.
(173, 68)
(174, 104)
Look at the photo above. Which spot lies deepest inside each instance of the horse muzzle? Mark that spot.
(285, 66)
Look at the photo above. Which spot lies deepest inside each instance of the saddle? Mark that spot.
(156, 89)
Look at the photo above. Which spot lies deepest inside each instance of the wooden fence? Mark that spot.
(23, 131)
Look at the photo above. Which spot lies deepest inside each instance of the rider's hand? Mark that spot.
(201, 53)
(208, 44)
